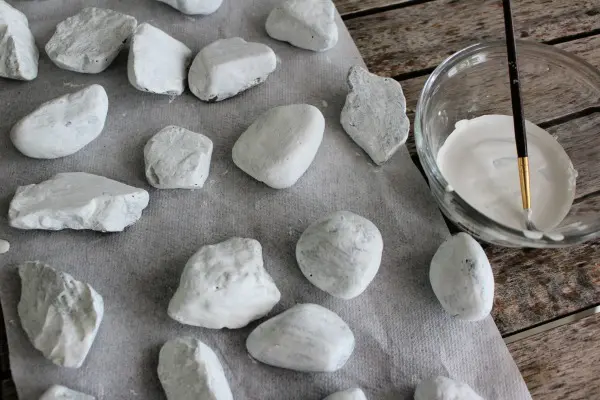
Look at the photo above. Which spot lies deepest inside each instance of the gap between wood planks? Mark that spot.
(378, 9)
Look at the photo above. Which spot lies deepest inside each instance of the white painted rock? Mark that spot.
(62, 126)
(461, 278)
(308, 24)
(157, 62)
(224, 286)
(350, 394)
(89, 41)
(307, 338)
(340, 254)
(77, 200)
(442, 388)
(190, 370)
(374, 115)
(59, 314)
(4, 246)
(177, 159)
(229, 66)
(18, 52)
(280, 145)
(195, 7)
(58, 392)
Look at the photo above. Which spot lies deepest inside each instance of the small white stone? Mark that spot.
(77, 200)
(340, 254)
(89, 41)
(157, 62)
(58, 392)
(59, 314)
(229, 66)
(442, 388)
(4, 246)
(280, 145)
(177, 159)
(350, 394)
(308, 24)
(374, 115)
(18, 52)
(62, 126)
(224, 286)
(462, 279)
(195, 7)
(307, 338)
(190, 370)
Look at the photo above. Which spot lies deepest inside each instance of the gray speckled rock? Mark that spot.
(58, 392)
(340, 254)
(89, 41)
(59, 314)
(350, 394)
(190, 370)
(177, 159)
(374, 115)
(229, 66)
(63, 126)
(462, 279)
(442, 388)
(307, 338)
(308, 24)
(195, 7)
(224, 286)
(18, 52)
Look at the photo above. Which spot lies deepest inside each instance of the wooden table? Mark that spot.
(540, 294)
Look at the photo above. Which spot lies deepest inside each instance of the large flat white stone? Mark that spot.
(195, 7)
(89, 41)
(350, 394)
(58, 392)
(62, 126)
(77, 200)
(18, 52)
(442, 388)
(59, 314)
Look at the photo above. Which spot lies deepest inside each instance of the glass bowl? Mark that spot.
(560, 92)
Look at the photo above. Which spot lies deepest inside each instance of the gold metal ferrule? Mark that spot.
(524, 180)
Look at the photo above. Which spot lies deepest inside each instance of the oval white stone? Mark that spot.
(4, 246)
(442, 388)
(58, 392)
(340, 254)
(350, 394)
(18, 52)
(462, 279)
(194, 7)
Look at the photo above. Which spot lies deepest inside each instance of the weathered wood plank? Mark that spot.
(421, 36)
(348, 7)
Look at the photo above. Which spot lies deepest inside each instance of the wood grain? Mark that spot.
(348, 7)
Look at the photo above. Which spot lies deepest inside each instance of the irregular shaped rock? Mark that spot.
(62, 126)
(89, 41)
(462, 279)
(350, 394)
(177, 159)
(308, 24)
(4, 246)
(307, 337)
(442, 388)
(340, 254)
(190, 370)
(157, 62)
(374, 115)
(58, 392)
(280, 145)
(224, 286)
(18, 52)
(195, 7)
(77, 200)
(59, 314)
(229, 66)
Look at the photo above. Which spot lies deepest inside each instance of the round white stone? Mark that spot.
(442, 388)
(58, 392)
(194, 7)
(350, 394)
(4, 246)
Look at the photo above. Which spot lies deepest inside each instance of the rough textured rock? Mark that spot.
(307, 337)
(350, 394)
(177, 159)
(280, 145)
(89, 41)
(462, 279)
(442, 388)
(308, 24)
(374, 115)
(195, 7)
(18, 52)
(190, 370)
(4, 246)
(58, 392)
(229, 66)
(59, 314)
(340, 254)
(77, 200)
(62, 126)
(157, 62)
(224, 286)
